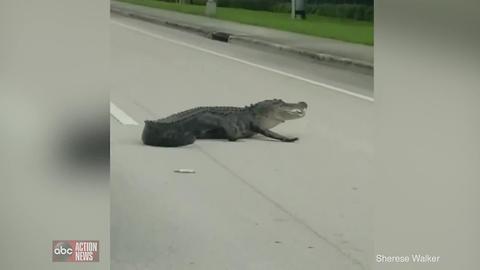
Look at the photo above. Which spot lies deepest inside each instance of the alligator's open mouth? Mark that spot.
(297, 112)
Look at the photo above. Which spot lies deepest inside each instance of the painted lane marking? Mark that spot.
(283, 73)
(121, 116)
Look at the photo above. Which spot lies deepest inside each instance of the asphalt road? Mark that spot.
(252, 204)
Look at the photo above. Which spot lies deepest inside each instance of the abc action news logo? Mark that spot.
(75, 251)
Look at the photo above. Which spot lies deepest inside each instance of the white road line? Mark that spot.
(121, 116)
(331, 87)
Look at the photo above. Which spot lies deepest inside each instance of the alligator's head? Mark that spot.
(275, 111)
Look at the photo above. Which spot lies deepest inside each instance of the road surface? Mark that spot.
(252, 204)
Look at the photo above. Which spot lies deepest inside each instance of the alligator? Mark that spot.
(222, 122)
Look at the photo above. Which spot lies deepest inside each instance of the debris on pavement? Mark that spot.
(184, 171)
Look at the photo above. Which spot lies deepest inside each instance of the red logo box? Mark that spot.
(75, 251)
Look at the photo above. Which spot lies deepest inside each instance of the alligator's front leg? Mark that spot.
(273, 135)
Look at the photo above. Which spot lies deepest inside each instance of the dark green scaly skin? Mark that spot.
(219, 122)
(195, 112)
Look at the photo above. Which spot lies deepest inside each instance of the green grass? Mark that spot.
(335, 28)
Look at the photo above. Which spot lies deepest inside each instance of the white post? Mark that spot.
(211, 8)
(293, 9)
(298, 8)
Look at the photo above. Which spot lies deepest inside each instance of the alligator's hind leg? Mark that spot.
(216, 133)
(220, 128)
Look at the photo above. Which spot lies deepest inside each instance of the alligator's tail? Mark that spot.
(165, 134)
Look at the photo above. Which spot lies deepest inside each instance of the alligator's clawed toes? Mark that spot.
(290, 139)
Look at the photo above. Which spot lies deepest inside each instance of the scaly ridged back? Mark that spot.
(188, 114)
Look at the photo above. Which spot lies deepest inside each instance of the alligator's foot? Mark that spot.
(231, 132)
(289, 139)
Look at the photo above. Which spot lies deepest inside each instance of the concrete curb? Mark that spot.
(210, 33)
(324, 57)
(157, 20)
